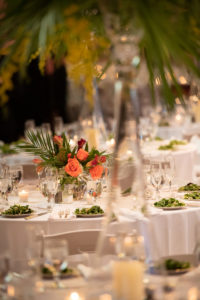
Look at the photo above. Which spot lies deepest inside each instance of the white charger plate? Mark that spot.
(89, 216)
(16, 216)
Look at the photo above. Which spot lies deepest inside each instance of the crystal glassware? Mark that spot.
(16, 173)
(52, 184)
(6, 187)
(46, 128)
(156, 176)
(43, 189)
(169, 171)
(58, 125)
(55, 256)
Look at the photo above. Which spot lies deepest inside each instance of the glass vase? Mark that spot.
(126, 190)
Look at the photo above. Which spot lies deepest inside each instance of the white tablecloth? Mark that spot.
(168, 232)
(184, 158)
(178, 132)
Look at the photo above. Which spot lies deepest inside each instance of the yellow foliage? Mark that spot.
(81, 51)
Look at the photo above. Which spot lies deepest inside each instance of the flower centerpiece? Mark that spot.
(74, 164)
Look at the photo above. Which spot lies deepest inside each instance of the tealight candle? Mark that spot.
(23, 195)
(75, 296)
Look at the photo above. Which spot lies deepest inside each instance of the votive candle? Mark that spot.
(23, 195)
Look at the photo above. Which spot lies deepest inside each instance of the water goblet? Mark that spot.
(6, 187)
(43, 189)
(169, 171)
(16, 173)
(156, 176)
(58, 125)
(55, 257)
(52, 184)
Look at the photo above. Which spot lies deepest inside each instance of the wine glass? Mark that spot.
(169, 171)
(16, 173)
(55, 257)
(156, 175)
(45, 193)
(6, 187)
(46, 128)
(29, 125)
(58, 125)
(52, 183)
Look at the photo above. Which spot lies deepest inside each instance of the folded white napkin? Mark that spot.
(100, 272)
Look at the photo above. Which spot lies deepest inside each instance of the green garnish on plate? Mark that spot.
(171, 145)
(94, 210)
(189, 187)
(194, 195)
(18, 210)
(10, 148)
(48, 271)
(172, 264)
(170, 202)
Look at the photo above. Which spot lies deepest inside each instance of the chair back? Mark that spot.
(82, 241)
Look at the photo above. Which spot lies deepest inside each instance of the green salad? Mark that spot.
(163, 124)
(10, 148)
(194, 195)
(172, 264)
(170, 202)
(171, 145)
(189, 187)
(94, 210)
(49, 271)
(18, 210)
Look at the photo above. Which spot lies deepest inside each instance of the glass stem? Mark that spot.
(170, 188)
(157, 193)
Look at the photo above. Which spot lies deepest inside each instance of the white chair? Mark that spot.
(82, 241)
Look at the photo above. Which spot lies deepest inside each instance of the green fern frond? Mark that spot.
(39, 144)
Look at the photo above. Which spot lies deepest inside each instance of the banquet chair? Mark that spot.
(82, 241)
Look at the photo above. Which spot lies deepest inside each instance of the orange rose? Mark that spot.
(96, 172)
(58, 140)
(37, 161)
(73, 168)
(82, 154)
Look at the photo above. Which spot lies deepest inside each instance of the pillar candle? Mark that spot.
(128, 280)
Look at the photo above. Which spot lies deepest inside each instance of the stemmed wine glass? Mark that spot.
(16, 173)
(45, 193)
(55, 257)
(156, 175)
(169, 169)
(49, 185)
(6, 187)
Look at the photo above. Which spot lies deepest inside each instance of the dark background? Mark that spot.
(38, 97)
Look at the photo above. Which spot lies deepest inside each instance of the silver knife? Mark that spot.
(35, 215)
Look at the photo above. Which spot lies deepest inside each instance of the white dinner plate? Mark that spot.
(62, 276)
(16, 216)
(89, 216)
(171, 208)
(191, 199)
(158, 271)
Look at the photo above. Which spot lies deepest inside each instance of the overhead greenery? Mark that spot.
(74, 33)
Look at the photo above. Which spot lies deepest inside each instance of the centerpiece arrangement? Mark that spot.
(74, 165)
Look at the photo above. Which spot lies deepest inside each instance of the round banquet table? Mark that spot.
(167, 232)
(184, 157)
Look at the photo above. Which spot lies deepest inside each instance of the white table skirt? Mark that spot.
(170, 232)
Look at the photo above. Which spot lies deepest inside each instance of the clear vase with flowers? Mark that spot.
(75, 165)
